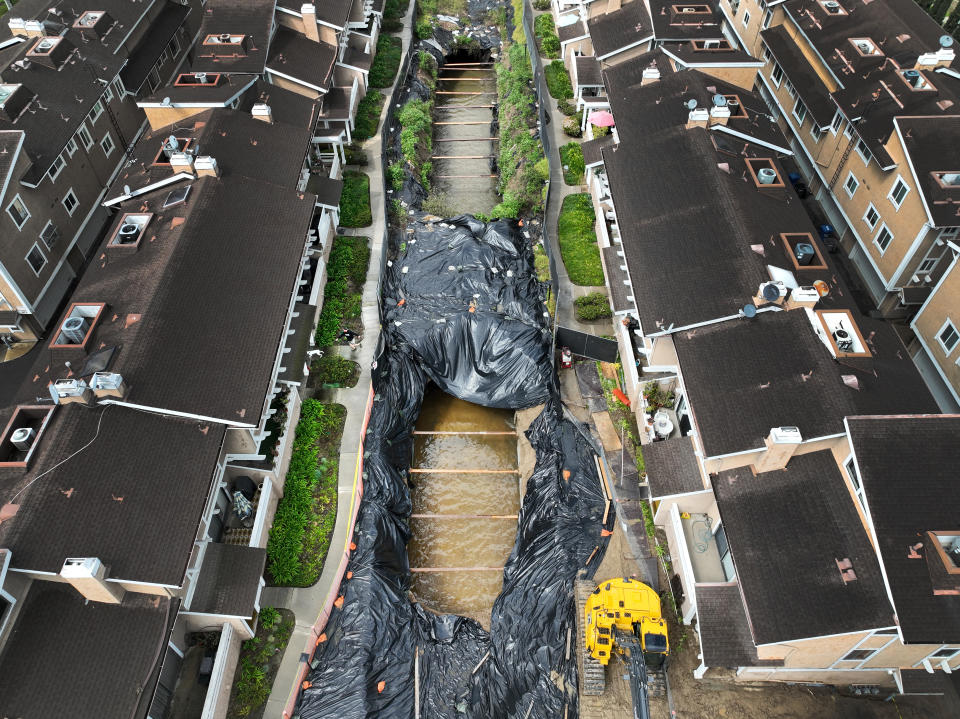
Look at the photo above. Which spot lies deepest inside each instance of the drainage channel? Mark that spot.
(465, 143)
(465, 490)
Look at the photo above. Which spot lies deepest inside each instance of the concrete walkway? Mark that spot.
(566, 290)
(307, 603)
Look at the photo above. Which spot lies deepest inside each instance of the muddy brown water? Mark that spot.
(465, 519)
(466, 183)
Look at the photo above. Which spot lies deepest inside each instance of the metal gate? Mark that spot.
(590, 346)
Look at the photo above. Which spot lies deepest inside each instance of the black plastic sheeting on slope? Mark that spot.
(463, 308)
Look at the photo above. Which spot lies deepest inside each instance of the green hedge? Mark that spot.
(332, 369)
(346, 273)
(368, 115)
(558, 80)
(571, 157)
(355, 200)
(295, 511)
(578, 241)
(386, 62)
(594, 306)
(543, 25)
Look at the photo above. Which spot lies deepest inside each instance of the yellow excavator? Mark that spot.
(622, 616)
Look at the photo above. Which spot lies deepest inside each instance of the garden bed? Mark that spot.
(578, 241)
(571, 159)
(558, 80)
(368, 115)
(592, 307)
(332, 370)
(259, 663)
(343, 294)
(546, 31)
(386, 62)
(307, 512)
(355, 200)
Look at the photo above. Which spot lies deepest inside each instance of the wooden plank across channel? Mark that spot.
(465, 122)
(468, 139)
(456, 569)
(419, 470)
(466, 431)
(461, 157)
(464, 516)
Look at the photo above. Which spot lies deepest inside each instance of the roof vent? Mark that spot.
(201, 77)
(766, 176)
(771, 292)
(23, 438)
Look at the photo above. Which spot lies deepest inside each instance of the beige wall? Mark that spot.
(743, 77)
(162, 116)
(943, 304)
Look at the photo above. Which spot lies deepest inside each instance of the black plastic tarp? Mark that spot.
(462, 308)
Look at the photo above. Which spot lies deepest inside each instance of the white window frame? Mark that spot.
(922, 269)
(746, 18)
(949, 323)
(36, 246)
(799, 117)
(848, 130)
(788, 86)
(72, 147)
(16, 199)
(84, 134)
(8, 597)
(873, 225)
(119, 88)
(76, 201)
(836, 123)
(774, 71)
(49, 224)
(175, 45)
(893, 188)
(113, 145)
(866, 158)
(4, 304)
(948, 233)
(817, 132)
(851, 468)
(56, 168)
(96, 111)
(765, 53)
(767, 19)
(153, 79)
(846, 185)
(716, 529)
(876, 238)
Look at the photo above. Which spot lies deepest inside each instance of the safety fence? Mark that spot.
(316, 632)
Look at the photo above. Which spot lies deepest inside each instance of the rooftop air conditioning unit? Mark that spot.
(804, 252)
(832, 6)
(865, 47)
(913, 77)
(23, 437)
(128, 233)
(106, 380)
(200, 77)
(170, 146)
(843, 339)
(75, 329)
(719, 100)
(224, 37)
(766, 176)
(950, 178)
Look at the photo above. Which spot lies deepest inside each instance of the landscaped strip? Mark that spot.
(545, 30)
(355, 200)
(342, 296)
(368, 115)
(307, 512)
(578, 241)
(259, 662)
(571, 159)
(558, 79)
(386, 62)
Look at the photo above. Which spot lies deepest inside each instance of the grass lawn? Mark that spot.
(355, 200)
(386, 62)
(368, 115)
(571, 158)
(578, 241)
(558, 80)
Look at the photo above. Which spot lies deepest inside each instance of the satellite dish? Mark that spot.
(771, 293)
(691, 104)
(719, 100)
(126, 189)
(749, 311)
(946, 41)
(166, 102)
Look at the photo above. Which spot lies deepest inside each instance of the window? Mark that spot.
(836, 123)
(746, 19)
(949, 233)
(864, 152)
(854, 476)
(767, 17)
(765, 53)
(799, 111)
(929, 263)
(18, 212)
(898, 192)
(946, 653)
(84, 134)
(726, 559)
(72, 147)
(50, 234)
(851, 185)
(858, 655)
(118, 88)
(948, 337)
(4, 305)
(96, 112)
(791, 90)
(883, 239)
(36, 259)
(153, 80)
(776, 75)
(871, 217)
(174, 47)
(108, 94)
(106, 144)
(70, 201)
(57, 167)
(817, 132)
(848, 130)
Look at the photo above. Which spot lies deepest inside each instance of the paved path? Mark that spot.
(307, 603)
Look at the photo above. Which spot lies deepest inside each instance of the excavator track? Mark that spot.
(592, 677)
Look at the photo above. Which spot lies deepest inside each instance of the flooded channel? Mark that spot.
(463, 140)
(465, 490)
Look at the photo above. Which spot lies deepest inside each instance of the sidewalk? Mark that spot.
(307, 603)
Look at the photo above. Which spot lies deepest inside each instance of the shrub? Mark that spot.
(571, 156)
(541, 4)
(355, 200)
(332, 369)
(349, 258)
(294, 509)
(550, 46)
(424, 28)
(368, 115)
(558, 80)
(386, 62)
(508, 207)
(571, 127)
(594, 306)
(543, 25)
(396, 175)
(566, 107)
(354, 154)
(600, 131)
(578, 241)
(394, 9)
(268, 617)
(543, 168)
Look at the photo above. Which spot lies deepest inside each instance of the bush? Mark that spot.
(566, 107)
(541, 4)
(550, 46)
(594, 306)
(368, 115)
(294, 511)
(396, 175)
(578, 241)
(424, 28)
(571, 127)
(349, 258)
(332, 369)
(571, 156)
(600, 131)
(543, 26)
(394, 9)
(558, 80)
(355, 200)
(543, 169)
(354, 154)
(386, 62)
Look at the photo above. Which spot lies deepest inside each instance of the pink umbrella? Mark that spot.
(601, 118)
